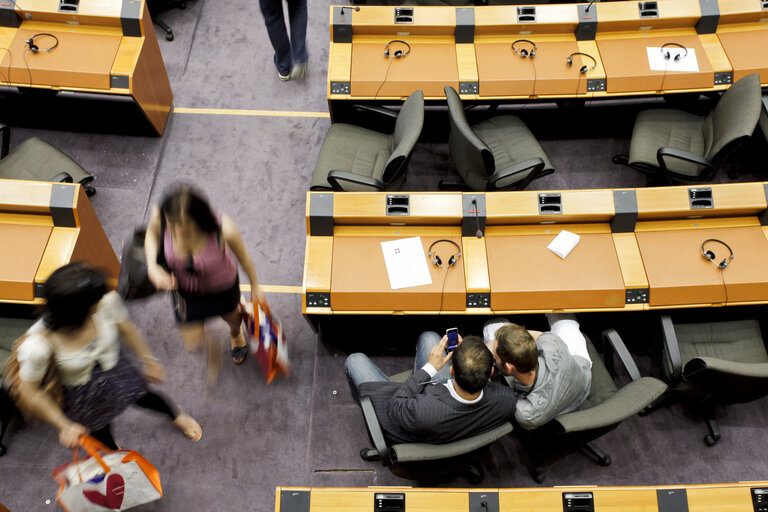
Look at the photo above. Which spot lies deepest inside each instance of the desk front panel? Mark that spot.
(626, 65)
(504, 73)
(22, 250)
(429, 67)
(359, 279)
(747, 51)
(679, 275)
(525, 275)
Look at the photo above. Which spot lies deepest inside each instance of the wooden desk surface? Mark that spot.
(359, 278)
(525, 275)
(626, 65)
(430, 66)
(678, 274)
(746, 50)
(22, 250)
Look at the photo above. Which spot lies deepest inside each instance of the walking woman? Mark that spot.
(80, 334)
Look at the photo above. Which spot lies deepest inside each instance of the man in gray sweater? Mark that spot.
(549, 371)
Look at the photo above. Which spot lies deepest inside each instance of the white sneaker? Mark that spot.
(284, 78)
(299, 71)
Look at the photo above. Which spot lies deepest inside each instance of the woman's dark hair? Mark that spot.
(187, 202)
(70, 293)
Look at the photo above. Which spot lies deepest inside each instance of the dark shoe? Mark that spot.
(239, 353)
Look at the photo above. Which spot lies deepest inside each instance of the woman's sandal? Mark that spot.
(239, 354)
(195, 433)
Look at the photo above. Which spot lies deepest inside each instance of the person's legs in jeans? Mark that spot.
(566, 327)
(272, 10)
(427, 341)
(359, 368)
(297, 14)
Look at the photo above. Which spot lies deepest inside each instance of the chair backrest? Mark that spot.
(468, 152)
(410, 121)
(734, 118)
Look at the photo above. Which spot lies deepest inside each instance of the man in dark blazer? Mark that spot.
(439, 402)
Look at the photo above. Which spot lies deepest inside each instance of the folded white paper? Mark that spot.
(657, 62)
(564, 243)
(406, 263)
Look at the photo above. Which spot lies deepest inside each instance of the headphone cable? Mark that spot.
(386, 73)
(725, 288)
(442, 290)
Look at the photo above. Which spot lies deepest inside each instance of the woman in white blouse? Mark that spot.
(80, 333)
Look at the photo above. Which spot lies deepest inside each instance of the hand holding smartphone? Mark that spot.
(453, 339)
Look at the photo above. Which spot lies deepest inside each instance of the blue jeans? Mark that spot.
(359, 368)
(287, 51)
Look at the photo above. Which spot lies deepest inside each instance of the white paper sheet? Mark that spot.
(564, 243)
(657, 62)
(406, 263)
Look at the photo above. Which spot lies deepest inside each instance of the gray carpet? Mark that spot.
(306, 430)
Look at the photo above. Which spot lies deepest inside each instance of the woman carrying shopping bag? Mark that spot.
(80, 335)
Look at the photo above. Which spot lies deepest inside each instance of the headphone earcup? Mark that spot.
(437, 261)
(677, 57)
(709, 255)
(398, 54)
(386, 52)
(723, 263)
(583, 70)
(452, 261)
(666, 55)
(569, 62)
(532, 54)
(524, 53)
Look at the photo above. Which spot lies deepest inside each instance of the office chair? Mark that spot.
(10, 330)
(357, 159)
(410, 460)
(688, 148)
(606, 406)
(714, 363)
(500, 153)
(159, 6)
(37, 160)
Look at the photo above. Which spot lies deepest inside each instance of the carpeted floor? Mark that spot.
(305, 430)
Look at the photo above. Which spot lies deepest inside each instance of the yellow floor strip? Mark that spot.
(272, 288)
(236, 112)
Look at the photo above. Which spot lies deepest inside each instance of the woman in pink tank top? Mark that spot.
(195, 254)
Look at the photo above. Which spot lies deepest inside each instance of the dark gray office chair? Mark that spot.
(683, 147)
(606, 406)
(500, 153)
(714, 363)
(10, 330)
(37, 160)
(409, 460)
(357, 159)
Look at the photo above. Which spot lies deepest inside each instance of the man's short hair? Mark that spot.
(516, 346)
(472, 363)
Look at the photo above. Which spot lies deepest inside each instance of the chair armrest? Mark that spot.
(5, 145)
(374, 429)
(534, 164)
(612, 337)
(62, 177)
(680, 154)
(752, 370)
(335, 177)
(672, 348)
(413, 452)
(387, 112)
(626, 402)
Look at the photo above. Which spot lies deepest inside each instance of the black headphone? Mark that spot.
(667, 54)
(34, 48)
(709, 255)
(523, 52)
(452, 260)
(397, 54)
(584, 69)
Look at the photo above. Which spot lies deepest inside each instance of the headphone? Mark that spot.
(525, 54)
(667, 54)
(451, 261)
(397, 54)
(35, 49)
(709, 255)
(584, 69)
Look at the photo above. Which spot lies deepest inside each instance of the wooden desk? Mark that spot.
(743, 32)
(699, 498)
(123, 56)
(43, 226)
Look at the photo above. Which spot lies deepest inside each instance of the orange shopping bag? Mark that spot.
(266, 338)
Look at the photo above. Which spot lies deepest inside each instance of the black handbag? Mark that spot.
(134, 282)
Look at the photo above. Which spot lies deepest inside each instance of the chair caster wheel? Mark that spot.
(169, 37)
(90, 190)
(709, 440)
(620, 159)
(369, 455)
(605, 461)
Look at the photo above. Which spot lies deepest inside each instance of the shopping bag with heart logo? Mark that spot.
(106, 479)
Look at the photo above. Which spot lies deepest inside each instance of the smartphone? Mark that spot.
(453, 339)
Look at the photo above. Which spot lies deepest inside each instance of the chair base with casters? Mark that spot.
(606, 406)
(159, 6)
(714, 363)
(413, 460)
(37, 160)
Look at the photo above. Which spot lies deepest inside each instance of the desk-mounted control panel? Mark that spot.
(648, 9)
(526, 14)
(69, 6)
(636, 296)
(390, 502)
(403, 15)
(318, 300)
(398, 204)
(478, 300)
(723, 77)
(340, 88)
(550, 204)
(596, 85)
(760, 499)
(469, 88)
(578, 502)
(700, 198)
